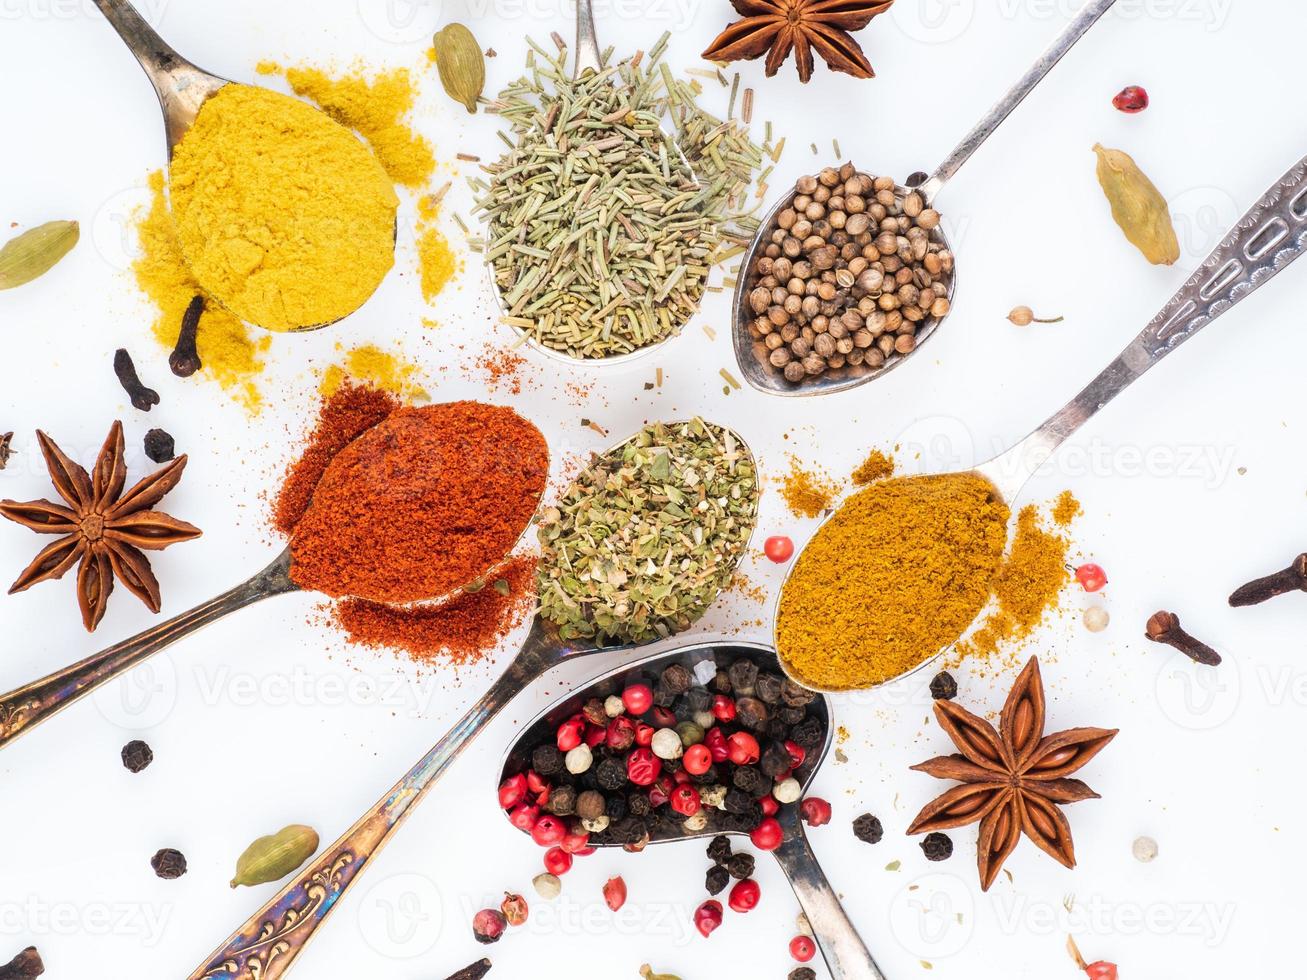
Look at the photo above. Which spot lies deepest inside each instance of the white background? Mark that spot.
(1193, 482)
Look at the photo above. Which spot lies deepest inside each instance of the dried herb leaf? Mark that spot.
(1137, 206)
(36, 251)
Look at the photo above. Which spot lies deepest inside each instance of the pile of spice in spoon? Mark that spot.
(600, 233)
(648, 534)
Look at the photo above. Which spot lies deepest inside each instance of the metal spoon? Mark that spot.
(265, 947)
(181, 86)
(751, 355)
(845, 953)
(588, 59)
(26, 707)
(1269, 237)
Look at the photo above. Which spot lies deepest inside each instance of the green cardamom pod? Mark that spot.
(36, 251)
(1138, 206)
(461, 64)
(273, 858)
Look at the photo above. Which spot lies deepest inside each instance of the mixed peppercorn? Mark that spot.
(713, 749)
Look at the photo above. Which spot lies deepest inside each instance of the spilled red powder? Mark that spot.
(458, 632)
(349, 412)
(503, 369)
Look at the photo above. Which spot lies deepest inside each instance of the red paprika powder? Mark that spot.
(421, 503)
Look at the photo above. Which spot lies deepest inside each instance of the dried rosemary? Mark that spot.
(600, 232)
(646, 536)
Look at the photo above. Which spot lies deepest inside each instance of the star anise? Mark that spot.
(1014, 778)
(777, 27)
(102, 529)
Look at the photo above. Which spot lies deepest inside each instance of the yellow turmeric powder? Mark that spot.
(898, 573)
(807, 493)
(877, 466)
(286, 218)
(371, 366)
(227, 352)
(377, 109)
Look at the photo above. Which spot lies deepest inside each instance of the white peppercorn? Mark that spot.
(666, 744)
(579, 759)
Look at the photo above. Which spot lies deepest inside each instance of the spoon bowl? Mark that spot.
(845, 953)
(751, 353)
(1271, 236)
(182, 88)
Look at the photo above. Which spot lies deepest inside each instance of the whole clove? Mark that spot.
(23, 966)
(5, 451)
(160, 447)
(142, 398)
(185, 358)
(1291, 579)
(474, 972)
(1164, 627)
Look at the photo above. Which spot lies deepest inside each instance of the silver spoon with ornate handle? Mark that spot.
(28, 706)
(751, 354)
(266, 946)
(845, 953)
(1263, 243)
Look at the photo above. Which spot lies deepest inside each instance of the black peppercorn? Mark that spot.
(617, 808)
(743, 674)
(740, 866)
(682, 709)
(136, 755)
(776, 759)
(776, 730)
(796, 695)
(867, 828)
(808, 734)
(169, 863)
(700, 699)
(707, 777)
(677, 678)
(25, 965)
(628, 830)
(751, 781)
(591, 805)
(717, 880)
(719, 850)
(745, 821)
(160, 447)
(937, 847)
(792, 716)
(638, 805)
(611, 774)
(663, 697)
(547, 760)
(751, 713)
(722, 682)
(562, 801)
(803, 973)
(768, 688)
(737, 801)
(944, 687)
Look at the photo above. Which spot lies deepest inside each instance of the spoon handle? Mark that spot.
(182, 87)
(32, 704)
(1263, 242)
(266, 946)
(587, 41)
(845, 953)
(1087, 18)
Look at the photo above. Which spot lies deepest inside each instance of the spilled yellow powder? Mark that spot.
(1028, 584)
(267, 67)
(437, 263)
(370, 365)
(877, 466)
(376, 108)
(1066, 509)
(807, 493)
(227, 351)
(287, 218)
